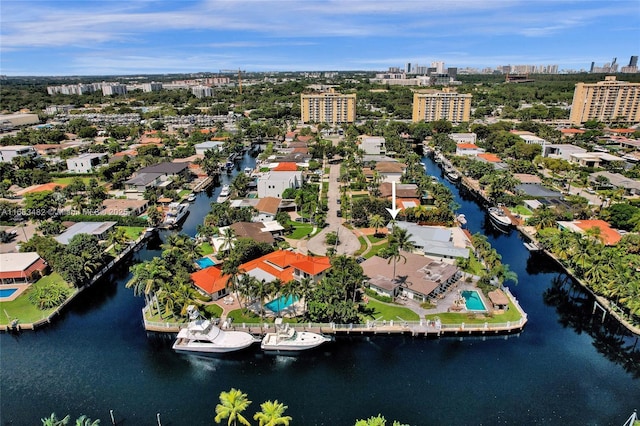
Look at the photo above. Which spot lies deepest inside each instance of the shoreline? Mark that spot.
(601, 301)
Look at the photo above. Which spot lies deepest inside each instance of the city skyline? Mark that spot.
(147, 37)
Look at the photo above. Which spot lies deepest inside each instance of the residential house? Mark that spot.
(203, 147)
(21, 268)
(469, 138)
(562, 150)
(158, 175)
(99, 229)
(274, 183)
(211, 282)
(417, 277)
(594, 159)
(85, 163)
(631, 186)
(605, 232)
(9, 152)
(287, 265)
(390, 171)
(267, 208)
(468, 149)
(435, 241)
(124, 207)
(373, 145)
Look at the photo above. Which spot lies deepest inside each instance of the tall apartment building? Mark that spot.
(605, 101)
(436, 105)
(329, 107)
(114, 89)
(151, 87)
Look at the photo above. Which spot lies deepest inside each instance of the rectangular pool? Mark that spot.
(5, 293)
(205, 262)
(281, 303)
(473, 301)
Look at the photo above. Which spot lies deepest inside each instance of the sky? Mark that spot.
(114, 37)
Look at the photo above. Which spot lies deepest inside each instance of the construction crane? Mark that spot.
(239, 77)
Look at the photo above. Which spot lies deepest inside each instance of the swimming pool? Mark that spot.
(205, 262)
(5, 293)
(281, 303)
(473, 301)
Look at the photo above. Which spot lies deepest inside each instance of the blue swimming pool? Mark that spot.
(473, 301)
(205, 262)
(280, 303)
(7, 292)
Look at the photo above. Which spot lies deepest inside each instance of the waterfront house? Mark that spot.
(459, 138)
(287, 265)
(124, 207)
(273, 183)
(418, 277)
(86, 163)
(21, 268)
(99, 229)
(390, 171)
(211, 282)
(202, 148)
(267, 208)
(607, 235)
(436, 241)
(253, 230)
(630, 186)
(373, 145)
(158, 175)
(468, 149)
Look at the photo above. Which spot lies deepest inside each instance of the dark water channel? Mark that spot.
(566, 367)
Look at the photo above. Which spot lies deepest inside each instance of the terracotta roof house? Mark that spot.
(21, 268)
(286, 266)
(419, 278)
(489, 158)
(468, 149)
(608, 235)
(286, 167)
(211, 282)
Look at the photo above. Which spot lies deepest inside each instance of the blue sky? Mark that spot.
(87, 37)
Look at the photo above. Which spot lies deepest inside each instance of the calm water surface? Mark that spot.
(564, 368)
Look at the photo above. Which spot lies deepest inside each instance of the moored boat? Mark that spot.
(203, 337)
(225, 192)
(288, 341)
(175, 214)
(191, 197)
(452, 176)
(499, 218)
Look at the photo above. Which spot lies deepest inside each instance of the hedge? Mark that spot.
(120, 220)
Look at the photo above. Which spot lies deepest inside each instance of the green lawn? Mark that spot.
(301, 230)
(132, 232)
(363, 246)
(68, 180)
(375, 249)
(374, 239)
(23, 309)
(206, 249)
(239, 317)
(184, 192)
(382, 311)
(521, 210)
(512, 315)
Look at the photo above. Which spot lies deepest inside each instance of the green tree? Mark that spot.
(232, 405)
(272, 414)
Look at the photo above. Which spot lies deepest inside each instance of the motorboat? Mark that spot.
(176, 212)
(248, 170)
(499, 218)
(287, 340)
(452, 176)
(225, 192)
(191, 197)
(201, 336)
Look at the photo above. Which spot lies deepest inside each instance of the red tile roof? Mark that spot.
(282, 263)
(286, 167)
(210, 280)
(572, 131)
(467, 146)
(46, 187)
(608, 235)
(491, 158)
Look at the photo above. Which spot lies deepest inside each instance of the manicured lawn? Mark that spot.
(23, 309)
(133, 232)
(301, 230)
(184, 193)
(206, 248)
(512, 315)
(375, 249)
(68, 180)
(522, 210)
(363, 246)
(383, 311)
(375, 239)
(239, 317)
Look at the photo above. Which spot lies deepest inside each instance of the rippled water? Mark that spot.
(564, 368)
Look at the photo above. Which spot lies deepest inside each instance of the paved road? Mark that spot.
(349, 243)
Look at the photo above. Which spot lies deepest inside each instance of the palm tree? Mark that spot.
(231, 406)
(306, 288)
(376, 221)
(228, 237)
(148, 277)
(86, 421)
(399, 239)
(53, 420)
(272, 414)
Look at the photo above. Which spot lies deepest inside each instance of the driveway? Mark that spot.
(23, 232)
(349, 243)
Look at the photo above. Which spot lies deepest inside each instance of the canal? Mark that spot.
(566, 367)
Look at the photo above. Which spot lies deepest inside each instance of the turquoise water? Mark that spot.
(205, 262)
(473, 301)
(280, 303)
(6, 292)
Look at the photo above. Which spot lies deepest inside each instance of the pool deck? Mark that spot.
(20, 288)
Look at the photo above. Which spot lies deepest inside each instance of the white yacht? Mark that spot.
(176, 213)
(499, 218)
(201, 336)
(191, 197)
(225, 192)
(286, 340)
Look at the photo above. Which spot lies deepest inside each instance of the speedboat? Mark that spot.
(191, 198)
(499, 218)
(176, 212)
(201, 336)
(224, 194)
(286, 340)
(452, 176)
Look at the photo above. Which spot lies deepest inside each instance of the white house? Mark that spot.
(468, 149)
(273, 183)
(85, 163)
(464, 137)
(373, 145)
(8, 153)
(203, 147)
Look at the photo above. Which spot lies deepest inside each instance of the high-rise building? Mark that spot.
(434, 105)
(114, 89)
(328, 107)
(633, 62)
(439, 66)
(606, 101)
(407, 68)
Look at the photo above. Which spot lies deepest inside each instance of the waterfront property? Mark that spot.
(280, 304)
(21, 268)
(205, 262)
(473, 301)
(99, 229)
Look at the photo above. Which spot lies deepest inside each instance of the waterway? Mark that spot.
(566, 367)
